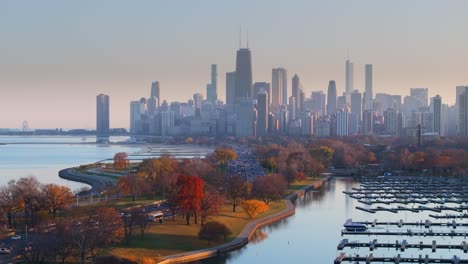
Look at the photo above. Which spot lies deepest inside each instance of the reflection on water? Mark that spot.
(258, 236)
(313, 233)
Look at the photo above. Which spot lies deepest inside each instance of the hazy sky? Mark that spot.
(56, 56)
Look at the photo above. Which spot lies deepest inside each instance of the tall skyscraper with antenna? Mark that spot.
(243, 74)
(368, 96)
(349, 76)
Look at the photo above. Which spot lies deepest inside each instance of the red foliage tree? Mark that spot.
(189, 195)
(270, 187)
(211, 202)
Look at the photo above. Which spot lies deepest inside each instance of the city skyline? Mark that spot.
(62, 63)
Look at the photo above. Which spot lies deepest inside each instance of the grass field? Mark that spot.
(174, 236)
(301, 184)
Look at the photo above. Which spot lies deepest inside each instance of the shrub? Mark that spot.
(214, 231)
(253, 207)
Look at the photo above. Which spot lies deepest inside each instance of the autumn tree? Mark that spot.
(211, 202)
(214, 231)
(225, 154)
(28, 190)
(120, 160)
(160, 172)
(56, 197)
(269, 187)
(10, 202)
(189, 195)
(253, 207)
(132, 184)
(235, 188)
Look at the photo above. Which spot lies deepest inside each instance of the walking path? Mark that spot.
(247, 233)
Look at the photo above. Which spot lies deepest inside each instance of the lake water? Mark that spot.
(313, 233)
(44, 156)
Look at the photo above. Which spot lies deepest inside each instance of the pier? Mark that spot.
(400, 245)
(397, 259)
(408, 232)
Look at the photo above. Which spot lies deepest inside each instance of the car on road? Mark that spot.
(16, 237)
(5, 251)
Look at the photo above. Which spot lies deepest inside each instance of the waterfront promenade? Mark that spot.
(248, 232)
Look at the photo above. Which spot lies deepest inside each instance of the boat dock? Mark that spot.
(397, 259)
(426, 224)
(400, 245)
(408, 232)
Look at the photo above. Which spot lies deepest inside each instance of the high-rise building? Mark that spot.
(368, 95)
(153, 104)
(212, 88)
(349, 76)
(463, 113)
(331, 98)
(292, 108)
(230, 87)
(300, 104)
(155, 90)
(459, 91)
(341, 123)
(437, 106)
(318, 102)
(295, 89)
(278, 85)
(356, 104)
(167, 121)
(421, 95)
(262, 113)
(243, 75)
(307, 123)
(102, 118)
(391, 121)
(197, 100)
(367, 122)
(263, 86)
(284, 79)
(135, 116)
(244, 118)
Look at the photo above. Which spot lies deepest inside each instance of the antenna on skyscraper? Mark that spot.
(240, 37)
(247, 38)
(347, 54)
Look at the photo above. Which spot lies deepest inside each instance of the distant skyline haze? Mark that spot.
(57, 56)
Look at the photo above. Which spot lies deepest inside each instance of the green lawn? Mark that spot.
(174, 237)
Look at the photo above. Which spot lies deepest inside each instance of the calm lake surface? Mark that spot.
(313, 233)
(44, 156)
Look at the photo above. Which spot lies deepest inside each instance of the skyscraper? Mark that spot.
(102, 118)
(463, 113)
(243, 75)
(356, 104)
(155, 90)
(212, 88)
(284, 79)
(391, 121)
(292, 108)
(197, 99)
(276, 88)
(244, 118)
(437, 105)
(421, 95)
(135, 116)
(349, 76)
(368, 95)
(296, 90)
(262, 113)
(263, 86)
(331, 98)
(318, 102)
(230, 87)
(367, 122)
(153, 104)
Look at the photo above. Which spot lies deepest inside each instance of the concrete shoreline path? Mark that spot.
(248, 232)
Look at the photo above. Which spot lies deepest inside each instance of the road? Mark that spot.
(245, 165)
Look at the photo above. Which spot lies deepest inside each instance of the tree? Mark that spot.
(120, 160)
(189, 195)
(223, 155)
(236, 188)
(28, 190)
(56, 196)
(210, 203)
(214, 231)
(253, 207)
(161, 173)
(269, 187)
(132, 184)
(10, 202)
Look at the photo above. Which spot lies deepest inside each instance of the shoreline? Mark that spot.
(247, 232)
(96, 183)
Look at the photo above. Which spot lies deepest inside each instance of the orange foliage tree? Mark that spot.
(253, 207)
(120, 160)
(189, 195)
(56, 196)
(223, 155)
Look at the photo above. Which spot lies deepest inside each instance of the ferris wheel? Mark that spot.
(25, 126)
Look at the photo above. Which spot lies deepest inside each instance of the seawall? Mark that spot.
(247, 233)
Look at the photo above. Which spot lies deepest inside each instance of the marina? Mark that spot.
(417, 199)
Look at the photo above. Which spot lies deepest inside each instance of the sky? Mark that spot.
(57, 56)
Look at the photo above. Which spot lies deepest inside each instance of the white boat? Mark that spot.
(349, 225)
